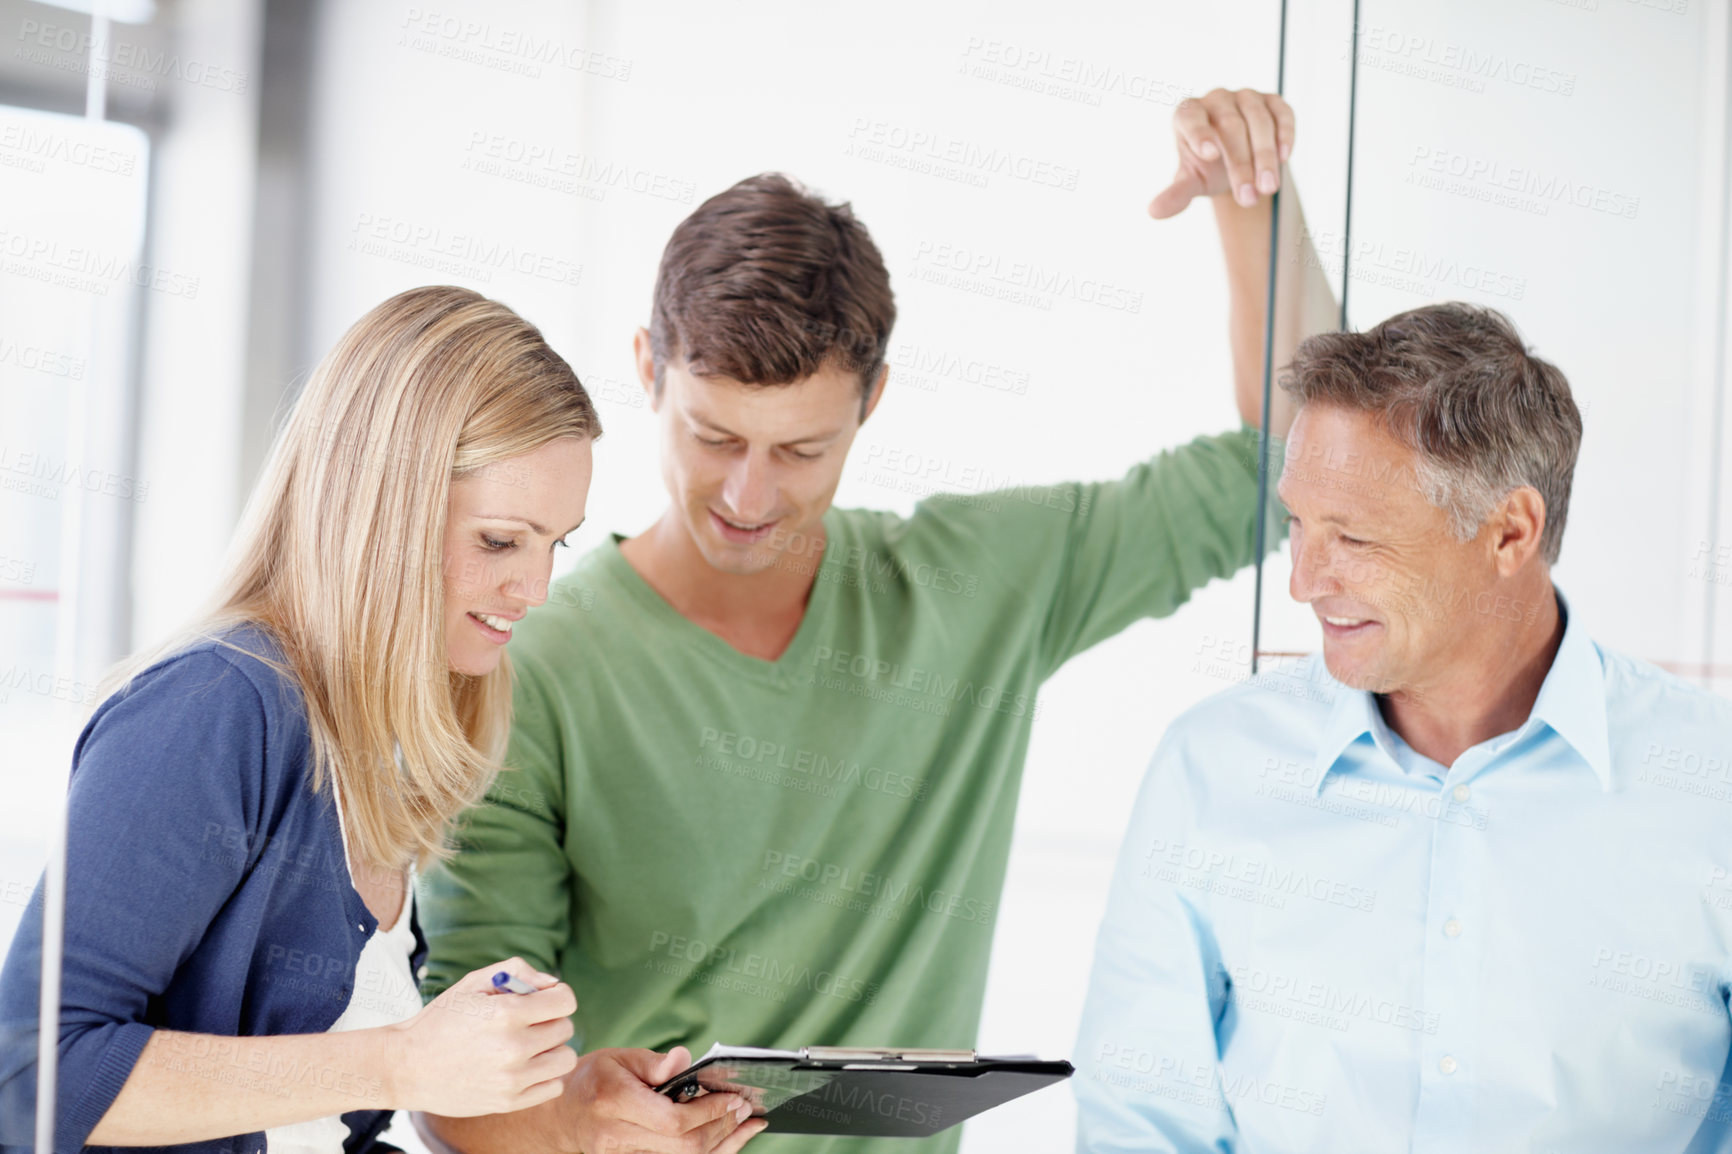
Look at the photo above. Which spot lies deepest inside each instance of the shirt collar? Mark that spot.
(1572, 701)
(1355, 715)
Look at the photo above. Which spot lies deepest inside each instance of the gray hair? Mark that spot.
(1454, 383)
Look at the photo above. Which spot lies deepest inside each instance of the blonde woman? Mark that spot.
(248, 808)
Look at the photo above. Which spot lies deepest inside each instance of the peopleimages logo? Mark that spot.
(84, 269)
(1169, 1076)
(886, 892)
(916, 684)
(746, 971)
(1322, 1003)
(59, 687)
(1411, 269)
(37, 359)
(923, 366)
(1016, 281)
(499, 46)
(547, 164)
(430, 246)
(44, 476)
(43, 146)
(885, 141)
(125, 56)
(1070, 78)
(1425, 57)
(808, 770)
(1172, 861)
(1495, 176)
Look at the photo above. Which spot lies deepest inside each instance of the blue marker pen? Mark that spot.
(504, 983)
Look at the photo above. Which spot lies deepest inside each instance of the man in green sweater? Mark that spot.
(765, 758)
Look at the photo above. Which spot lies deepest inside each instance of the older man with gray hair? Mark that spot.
(1458, 885)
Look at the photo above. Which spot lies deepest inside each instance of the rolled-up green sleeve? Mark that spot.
(1141, 545)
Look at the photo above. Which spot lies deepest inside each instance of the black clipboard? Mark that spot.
(875, 1093)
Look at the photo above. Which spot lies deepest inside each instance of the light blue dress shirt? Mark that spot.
(1319, 940)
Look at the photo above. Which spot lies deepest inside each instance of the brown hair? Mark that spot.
(766, 283)
(1454, 383)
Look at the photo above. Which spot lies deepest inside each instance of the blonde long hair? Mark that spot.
(340, 553)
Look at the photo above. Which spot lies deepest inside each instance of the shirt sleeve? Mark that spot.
(1092, 558)
(1148, 1077)
(1140, 546)
(507, 890)
(164, 779)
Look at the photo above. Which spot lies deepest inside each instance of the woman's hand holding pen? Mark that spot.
(477, 1050)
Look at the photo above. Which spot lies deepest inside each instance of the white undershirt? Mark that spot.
(385, 992)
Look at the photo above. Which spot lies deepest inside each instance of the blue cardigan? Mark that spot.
(206, 892)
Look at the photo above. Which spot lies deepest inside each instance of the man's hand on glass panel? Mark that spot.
(1229, 143)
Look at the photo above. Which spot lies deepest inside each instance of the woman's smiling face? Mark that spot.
(501, 526)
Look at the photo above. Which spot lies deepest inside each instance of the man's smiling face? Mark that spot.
(752, 469)
(1392, 587)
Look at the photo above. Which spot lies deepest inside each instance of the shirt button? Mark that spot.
(421, 974)
(1446, 1064)
(1461, 793)
(1452, 928)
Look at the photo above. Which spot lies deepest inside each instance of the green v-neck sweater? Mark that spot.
(810, 851)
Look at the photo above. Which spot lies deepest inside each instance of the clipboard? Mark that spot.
(863, 1092)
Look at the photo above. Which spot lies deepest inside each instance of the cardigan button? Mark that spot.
(360, 926)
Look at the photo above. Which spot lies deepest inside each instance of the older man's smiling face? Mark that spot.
(1399, 598)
